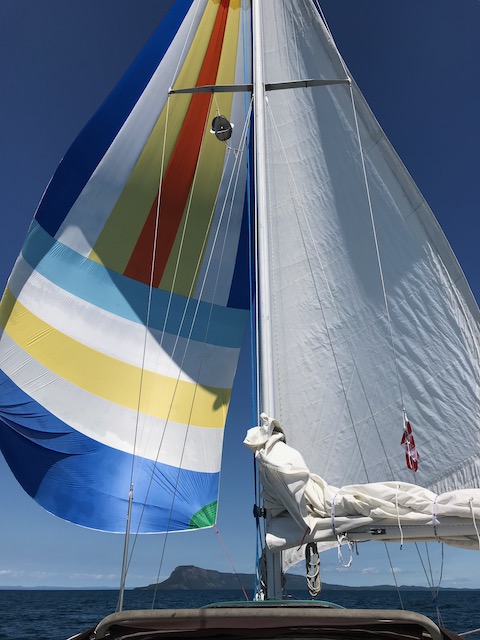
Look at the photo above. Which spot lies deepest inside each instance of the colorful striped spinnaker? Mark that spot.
(123, 318)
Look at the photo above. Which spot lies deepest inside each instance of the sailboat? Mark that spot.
(229, 185)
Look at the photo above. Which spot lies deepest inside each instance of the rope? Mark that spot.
(434, 517)
(312, 569)
(319, 300)
(474, 522)
(230, 560)
(275, 127)
(234, 176)
(181, 57)
(126, 563)
(435, 590)
(333, 516)
(377, 249)
(320, 11)
(343, 538)
(429, 582)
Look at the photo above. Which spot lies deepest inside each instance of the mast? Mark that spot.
(266, 374)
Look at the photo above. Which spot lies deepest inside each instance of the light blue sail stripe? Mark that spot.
(127, 298)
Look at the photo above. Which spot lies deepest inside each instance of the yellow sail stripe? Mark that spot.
(208, 175)
(116, 381)
(122, 229)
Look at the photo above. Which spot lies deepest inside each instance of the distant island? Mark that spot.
(196, 579)
(191, 578)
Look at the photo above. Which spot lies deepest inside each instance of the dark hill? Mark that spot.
(196, 579)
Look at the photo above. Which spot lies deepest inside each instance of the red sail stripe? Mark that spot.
(180, 171)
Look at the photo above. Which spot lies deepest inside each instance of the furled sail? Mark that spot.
(124, 315)
(371, 312)
(305, 508)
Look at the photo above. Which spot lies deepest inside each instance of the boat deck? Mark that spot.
(267, 620)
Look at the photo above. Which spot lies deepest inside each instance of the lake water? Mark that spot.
(55, 615)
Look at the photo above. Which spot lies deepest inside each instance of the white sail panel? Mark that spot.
(341, 385)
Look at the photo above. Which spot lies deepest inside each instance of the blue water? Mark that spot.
(55, 615)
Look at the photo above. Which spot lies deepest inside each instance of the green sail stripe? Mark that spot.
(205, 517)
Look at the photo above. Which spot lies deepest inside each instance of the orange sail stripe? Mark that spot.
(180, 171)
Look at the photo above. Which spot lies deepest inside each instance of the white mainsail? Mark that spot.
(371, 313)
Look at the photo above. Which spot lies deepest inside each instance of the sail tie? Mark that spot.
(333, 516)
(470, 502)
(398, 517)
(434, 518)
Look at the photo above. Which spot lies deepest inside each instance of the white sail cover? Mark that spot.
(349, 359)
(304, 508)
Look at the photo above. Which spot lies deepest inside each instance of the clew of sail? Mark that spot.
(124, 315)
(371, 313)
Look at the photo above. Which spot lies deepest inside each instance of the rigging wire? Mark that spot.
(389, 321)
(394, 576)
(379, 263)
(345, 69)
(324, 319)
(157, 215)
(186, 43)
(320, 11)
(279, 139)
(147, 324)
(377, 248)
(367, 189)
(215, 528)
(150, 291)
(234, 177)
(342, 382)
(255, 395)
(435, 589)
(230, 190)
(126, 562)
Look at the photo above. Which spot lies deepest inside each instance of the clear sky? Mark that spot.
(417, 64)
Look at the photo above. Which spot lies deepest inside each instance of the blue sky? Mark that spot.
(416, 62)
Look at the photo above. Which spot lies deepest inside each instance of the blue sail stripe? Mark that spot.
(127, 298)
(90, 146)
(86, 482)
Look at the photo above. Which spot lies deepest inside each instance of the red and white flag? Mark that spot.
(408, 441)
